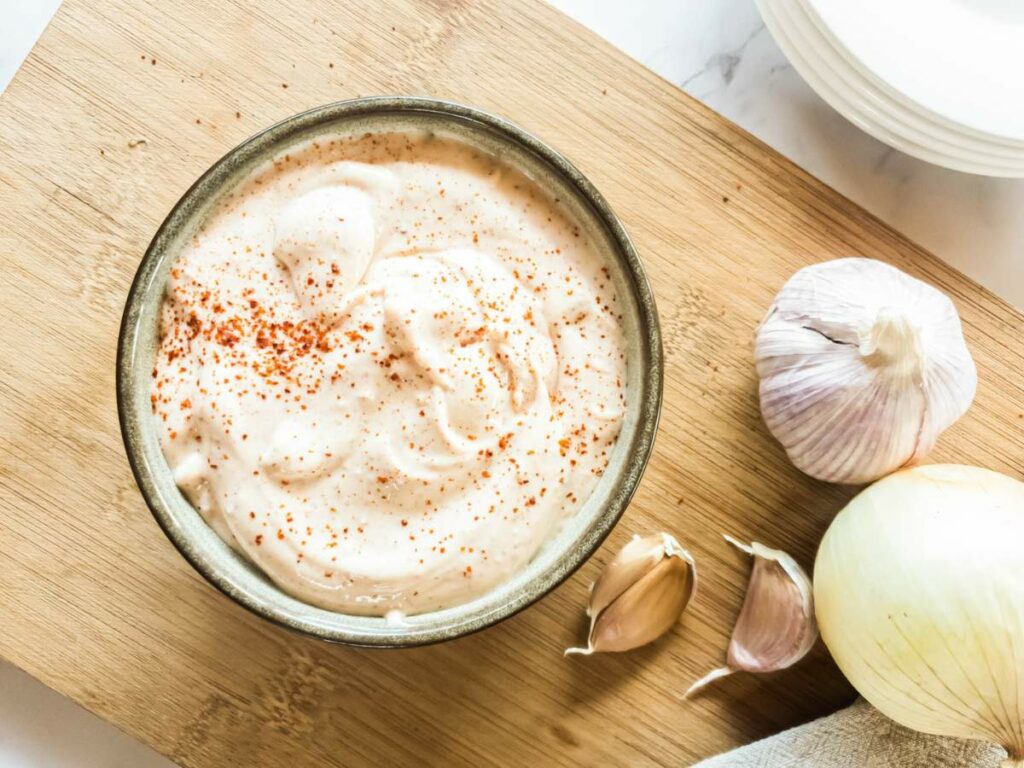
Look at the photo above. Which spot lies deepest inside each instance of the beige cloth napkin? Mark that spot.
(858, 737)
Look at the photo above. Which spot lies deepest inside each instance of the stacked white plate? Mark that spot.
(942, 80)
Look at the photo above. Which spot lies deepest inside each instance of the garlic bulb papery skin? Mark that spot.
(919, 593)
(776, 626)
(862, 367)
(640, 595)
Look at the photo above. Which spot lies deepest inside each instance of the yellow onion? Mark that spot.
(919, 595)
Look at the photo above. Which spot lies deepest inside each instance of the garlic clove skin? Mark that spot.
(640, 595)
(861, 368)
(776, 625)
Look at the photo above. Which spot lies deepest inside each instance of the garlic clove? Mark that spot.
(861, 367)
(634, 560)
(645, 611)
(776, 626)
(640, 595)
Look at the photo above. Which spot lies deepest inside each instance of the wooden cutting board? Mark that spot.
(121, 105)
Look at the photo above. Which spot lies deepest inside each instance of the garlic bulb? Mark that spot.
(776, 626)
(919, 588)
(862, 367)
(640, 594)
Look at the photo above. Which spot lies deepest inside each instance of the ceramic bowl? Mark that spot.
(561, 555)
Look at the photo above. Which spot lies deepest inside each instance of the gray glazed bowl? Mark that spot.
(562, 555)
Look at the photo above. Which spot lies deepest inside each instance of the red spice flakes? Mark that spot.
(531, 501)
(504, 440)
(226, 337)
(252, 515)
(173, 435)
(355, 336)
(383, 479)
(280, 535)
(468, 571)
(405, 523)
(259, 539)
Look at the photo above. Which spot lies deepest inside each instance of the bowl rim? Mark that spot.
(649, 346)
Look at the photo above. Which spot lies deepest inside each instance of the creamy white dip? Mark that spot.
(390, 367)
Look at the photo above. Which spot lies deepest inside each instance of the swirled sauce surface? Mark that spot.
(390, 367)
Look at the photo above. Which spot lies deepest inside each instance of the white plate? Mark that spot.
(962, 59)
(867, 111)
(848, 80)
(875, 85)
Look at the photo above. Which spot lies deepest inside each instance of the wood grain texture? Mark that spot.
(121, 105)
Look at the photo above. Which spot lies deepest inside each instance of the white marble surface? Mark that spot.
(21, 23)
(719, 51)
(42, 729)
